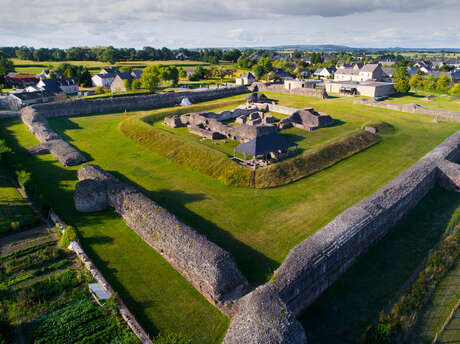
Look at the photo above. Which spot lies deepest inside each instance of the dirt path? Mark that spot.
(26, 239)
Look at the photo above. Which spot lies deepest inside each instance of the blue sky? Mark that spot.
(216, 23)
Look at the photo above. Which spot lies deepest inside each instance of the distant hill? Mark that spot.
(334, 47)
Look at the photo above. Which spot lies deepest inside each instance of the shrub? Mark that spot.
(69, 235)
(379, 334)
(15, 225)
(136, 84)
(25, 182)
(99, 90)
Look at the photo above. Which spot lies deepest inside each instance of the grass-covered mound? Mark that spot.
(311, 162)
(217, 164)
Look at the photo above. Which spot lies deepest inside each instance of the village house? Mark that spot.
(20, 80)
(120, 82)
(245, 79)
(46, 74)
(18, 100)
(291, 84)
(367, 72)
(109, 70)
(103, 80)
(325, 73)
(67, 86)
(365, 88)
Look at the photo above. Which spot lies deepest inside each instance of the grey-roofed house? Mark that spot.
(119, 82)
(103, 80)
(245, 79)
(19, 100)
(50, 85)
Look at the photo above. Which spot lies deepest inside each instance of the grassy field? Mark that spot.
(162, 300)
(346, 309)
(257, 226)
(440, 102)
(451, 333)
(15, 214)
(35, 67)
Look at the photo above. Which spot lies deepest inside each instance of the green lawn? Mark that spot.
(15, 213)
(440, 102)
(161, 299)
(346, 309)
(258, 226)
(451, 333)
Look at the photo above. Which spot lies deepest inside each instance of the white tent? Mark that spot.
(185, 101)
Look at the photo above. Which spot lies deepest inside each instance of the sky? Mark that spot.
(230, 23)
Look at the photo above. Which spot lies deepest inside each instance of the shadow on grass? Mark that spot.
(257, 267)
(346, 309)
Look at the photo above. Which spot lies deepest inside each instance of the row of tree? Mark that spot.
(112, 55)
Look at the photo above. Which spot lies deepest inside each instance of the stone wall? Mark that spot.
(412, 108)
(306, 92)
(132, 103)
(51, 142)
(35, 116)
(313, 265)
(210, 269)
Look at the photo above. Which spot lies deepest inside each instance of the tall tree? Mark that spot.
(151, 77)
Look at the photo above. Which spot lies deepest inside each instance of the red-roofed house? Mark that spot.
(20, 80)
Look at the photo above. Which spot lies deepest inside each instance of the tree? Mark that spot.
(264, 66)
(402, 86)
(455, 90)
(182, 73)
(53, 75)
(85, 78)
(400, 73)
(443, 83)
(151, 77)
(6, 66)
(136, 84)
(415, 82)
(259, 72)
(110, 55)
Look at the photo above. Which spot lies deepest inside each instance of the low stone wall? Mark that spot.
(306, 92)
(209, 268)
(411, 108)
(313, 265)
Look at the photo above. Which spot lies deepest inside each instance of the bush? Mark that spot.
(69, 235)
(136, 84)
(25, 182)
(99, 90)
(379, 334)
(15, 225)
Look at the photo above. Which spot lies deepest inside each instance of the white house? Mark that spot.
(325, 73)
(245, 79)
(103, 80)
(367, 72)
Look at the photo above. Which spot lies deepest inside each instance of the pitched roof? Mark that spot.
(32, 95)
(50, 85)
(265, 144)
(248, 75)
(369, 67)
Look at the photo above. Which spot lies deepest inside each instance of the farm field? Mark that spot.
(353, 303)
(258, 226)
(35, 67)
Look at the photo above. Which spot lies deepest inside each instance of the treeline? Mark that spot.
(112, 55)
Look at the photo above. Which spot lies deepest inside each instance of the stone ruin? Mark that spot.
(210, 125)
(411, 108)
(209, 268)
(252, 118)
(51, 142)
(307, 119)
(317, 262)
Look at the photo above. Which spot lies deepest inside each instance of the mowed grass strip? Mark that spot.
(345, 310)
(161, 299)
(259, 227)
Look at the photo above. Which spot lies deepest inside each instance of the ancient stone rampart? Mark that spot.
(51, 142)
(209, 268)
(131, 103)
(306, 92)
(313, 265)
(412, 108)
